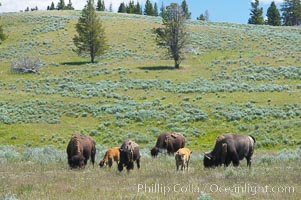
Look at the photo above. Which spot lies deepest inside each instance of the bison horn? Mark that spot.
(207, 156)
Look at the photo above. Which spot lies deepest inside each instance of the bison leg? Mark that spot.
(187, 165)
(235, 159)
(110, 162)
(249, 161)
(120, 166)
(138, 163)
(130, 166)
(93, 158)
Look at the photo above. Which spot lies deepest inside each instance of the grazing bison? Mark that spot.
(182, 157)
(169, 141)
(112, 154)
(230, 148)
(80, 148)
(129, 153)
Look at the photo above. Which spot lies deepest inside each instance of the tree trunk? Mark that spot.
(177, 64)
(92, 56)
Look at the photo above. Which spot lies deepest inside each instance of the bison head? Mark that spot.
(209, 160)
(126, 155)
(155, 151)
(126, 158)
(77, 161)
(102, 163)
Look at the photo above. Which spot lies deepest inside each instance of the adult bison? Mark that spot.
(129, 153)
(230, 148)
(80, 148)
(169, 141)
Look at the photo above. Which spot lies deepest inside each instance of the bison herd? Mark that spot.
(228, 148)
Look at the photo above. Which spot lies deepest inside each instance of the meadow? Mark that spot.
(42, 173)
(236, 78)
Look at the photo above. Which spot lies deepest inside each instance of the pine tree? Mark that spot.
(100, 5)
(138, 9)
(122, 8)
(130, 8)
(148, 10)
(2, 35)
(185, 9)
(111, 7)
(173, 34)
(291, 12)
(207, 18)
(201, 17)
(156, 13)
(273, 15)
(91, 36)
(256, 13)
(163, 10)
(61, 5)
(52, 7)
(69, 6)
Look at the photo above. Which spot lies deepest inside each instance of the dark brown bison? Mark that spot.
(230, 148)
(112, 154)
(80, 148)
(129, 153)
(169, 141)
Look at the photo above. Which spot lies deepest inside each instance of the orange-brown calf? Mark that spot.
(112, 154)
(182, 157)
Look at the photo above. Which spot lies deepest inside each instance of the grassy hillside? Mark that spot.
(236, 78)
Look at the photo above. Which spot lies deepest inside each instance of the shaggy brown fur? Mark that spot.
(169, 141)
(79, 150)
(129, 153)
(230, 148)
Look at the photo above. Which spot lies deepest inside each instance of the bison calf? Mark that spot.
(112, 154)
(182, 157)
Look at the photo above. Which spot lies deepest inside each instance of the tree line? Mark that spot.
(291, 14)
(288, 15)
(61, 6)
(150, 8)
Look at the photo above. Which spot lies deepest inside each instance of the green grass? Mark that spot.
(235, 79)
(77, 94)
(273, 176)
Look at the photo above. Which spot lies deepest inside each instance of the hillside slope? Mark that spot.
(236, 78)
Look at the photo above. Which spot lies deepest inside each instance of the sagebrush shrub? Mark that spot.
(26, 65)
